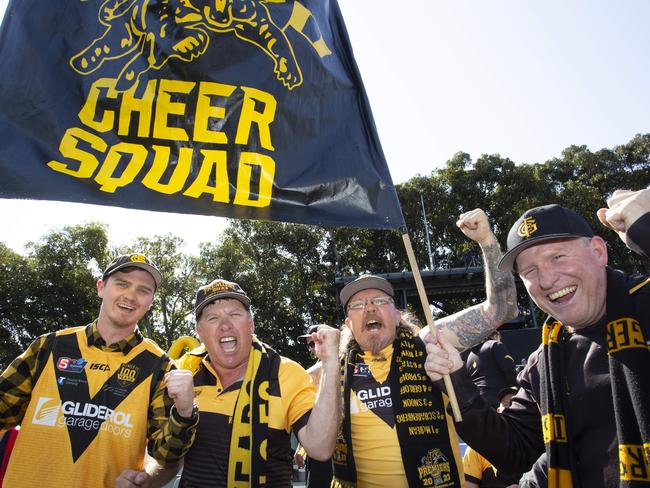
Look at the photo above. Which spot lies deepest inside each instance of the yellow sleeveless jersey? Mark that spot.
(87, 418)
(377, 452)
(374, 437)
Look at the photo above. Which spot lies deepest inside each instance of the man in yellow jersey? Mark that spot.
(250, 398)
(90, 399)
(395, 429)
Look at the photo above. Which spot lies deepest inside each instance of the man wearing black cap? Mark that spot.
(250, 398)
(582, 414)
(395, 429)
(90, 399)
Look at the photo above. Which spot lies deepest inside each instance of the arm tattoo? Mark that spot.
(499, 286)
(474, 324)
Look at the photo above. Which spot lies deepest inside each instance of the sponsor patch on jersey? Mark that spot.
(127, 374)
(70, 381)
(115, 390)
(46, 411)
(70, 365)
(100, 367)
(362, 369)
(371, 396)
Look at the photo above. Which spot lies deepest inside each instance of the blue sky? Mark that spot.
(520, 78)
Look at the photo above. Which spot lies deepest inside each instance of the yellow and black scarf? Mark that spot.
(249, 438)
(420, 420)
(248, 441)
(629, 357)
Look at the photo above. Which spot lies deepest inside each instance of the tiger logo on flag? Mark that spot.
(142, 35)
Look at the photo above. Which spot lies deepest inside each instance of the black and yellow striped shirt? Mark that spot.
(169, 436)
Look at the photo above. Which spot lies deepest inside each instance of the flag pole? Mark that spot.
(430, 322)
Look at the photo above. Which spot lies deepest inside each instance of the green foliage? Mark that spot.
(580, 180)
(53, 287)
(289, 270)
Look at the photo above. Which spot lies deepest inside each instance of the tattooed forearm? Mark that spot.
(469, 326)
(499, 287)
(473, 325)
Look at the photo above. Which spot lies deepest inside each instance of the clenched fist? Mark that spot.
(130, 478)
(476, 226)
(180, 388)
(326, 339)
(624, 208)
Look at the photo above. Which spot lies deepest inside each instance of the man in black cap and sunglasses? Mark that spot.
(581, 417)
(90, 399)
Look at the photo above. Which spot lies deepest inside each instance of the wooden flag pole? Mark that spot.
(430, 322)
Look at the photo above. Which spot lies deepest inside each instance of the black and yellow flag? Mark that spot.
(236, 108)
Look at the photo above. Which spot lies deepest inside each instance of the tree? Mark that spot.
(16, 311)
(55, 283)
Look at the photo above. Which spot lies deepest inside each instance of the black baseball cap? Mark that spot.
(218, 289)
(541, 224)
(365, 282)
(310, 330)
(134, 260)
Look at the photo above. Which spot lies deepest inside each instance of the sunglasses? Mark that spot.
(311, 345)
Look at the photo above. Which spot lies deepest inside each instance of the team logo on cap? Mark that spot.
(138, 258)
(217, 286)
(527, 227)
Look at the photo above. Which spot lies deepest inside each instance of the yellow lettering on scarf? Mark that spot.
(554, 428)
(624, 333)
(634, 462)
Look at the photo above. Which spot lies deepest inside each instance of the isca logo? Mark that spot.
(100, 366)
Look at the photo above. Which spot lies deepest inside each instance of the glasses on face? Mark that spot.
(311, 345)
(377, 301)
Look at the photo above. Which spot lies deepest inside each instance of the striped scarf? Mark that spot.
(247, 460)
(249, 438)
(420, 421)
(629, 356)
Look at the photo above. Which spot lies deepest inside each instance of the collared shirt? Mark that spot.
(124, 346)
(291, 396)
(168, 434)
